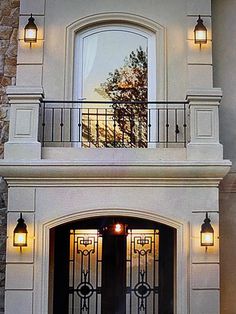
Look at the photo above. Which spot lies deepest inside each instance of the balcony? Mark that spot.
(106, 124)
(74, 130)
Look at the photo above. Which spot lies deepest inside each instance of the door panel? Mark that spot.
(142, 271)
(85, 268)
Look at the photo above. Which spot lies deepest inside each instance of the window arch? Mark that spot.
(133, 21)
(103, 50)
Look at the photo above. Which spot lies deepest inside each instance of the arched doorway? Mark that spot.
(109, 265)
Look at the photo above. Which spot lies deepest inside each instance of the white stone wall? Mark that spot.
(45, 64)
(181, 207)
(52, 191)
(174, 193)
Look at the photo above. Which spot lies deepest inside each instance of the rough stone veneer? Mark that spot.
(9, 20)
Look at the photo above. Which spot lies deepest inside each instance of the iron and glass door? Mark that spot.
(115, 64)
(110, 273)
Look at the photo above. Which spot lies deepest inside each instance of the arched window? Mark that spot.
(105, 49)
(114, 63)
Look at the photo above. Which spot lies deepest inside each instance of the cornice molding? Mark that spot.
(73, 173)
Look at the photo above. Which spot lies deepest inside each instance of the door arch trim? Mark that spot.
(182, 252)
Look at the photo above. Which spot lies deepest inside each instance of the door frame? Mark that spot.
(60, 258)
(42, 266)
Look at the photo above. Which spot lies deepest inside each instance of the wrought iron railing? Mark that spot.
(113, 124)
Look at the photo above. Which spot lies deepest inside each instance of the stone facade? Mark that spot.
(9, 20)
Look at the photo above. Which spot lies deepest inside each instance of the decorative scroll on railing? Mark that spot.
(113, 124)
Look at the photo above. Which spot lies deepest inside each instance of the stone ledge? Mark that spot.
(113, 173)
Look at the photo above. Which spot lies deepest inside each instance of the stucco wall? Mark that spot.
(51, 71)
(45, 63)
(48, 206)
(224, 47)
(9, 17)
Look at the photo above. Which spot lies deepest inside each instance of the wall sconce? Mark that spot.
(200, 32)
(20, 233)
(207, 233)
(30, 31)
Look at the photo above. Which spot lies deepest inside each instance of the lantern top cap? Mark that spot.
(31, 23)
(200, 25)
(206, 226)
(21, 227)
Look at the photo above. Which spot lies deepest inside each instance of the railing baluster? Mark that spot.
(106, 127)
(70, 119)
(61, 124)
(149, 126)
(52, 123)
(114, 128)
(89, 135)
(167, 125)
(185, 126)
(176, 126)
(140, 128)
(132, 137)
(97, 128)
(43, 124)
(80, 113)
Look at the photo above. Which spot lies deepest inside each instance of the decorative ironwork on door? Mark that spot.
(85, 272)
(142, 271)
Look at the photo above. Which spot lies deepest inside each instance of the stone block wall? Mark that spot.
(9, 21)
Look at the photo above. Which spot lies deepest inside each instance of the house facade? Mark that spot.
(114, 160)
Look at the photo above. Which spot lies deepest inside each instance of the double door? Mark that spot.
(101, 272)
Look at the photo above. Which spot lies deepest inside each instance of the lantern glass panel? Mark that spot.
(20, 239)
(200, 36)
(30, 34)
(207, 239)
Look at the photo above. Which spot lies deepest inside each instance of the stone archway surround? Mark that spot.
(182, 250)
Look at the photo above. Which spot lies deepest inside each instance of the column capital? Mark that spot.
(24, 94)
(204, 96)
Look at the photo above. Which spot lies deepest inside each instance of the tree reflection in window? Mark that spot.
(121, 124)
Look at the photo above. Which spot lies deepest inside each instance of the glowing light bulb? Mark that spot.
(118, 228)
